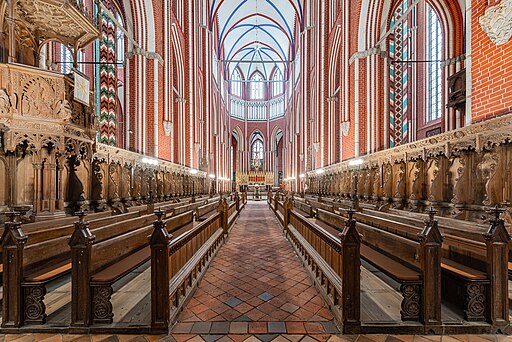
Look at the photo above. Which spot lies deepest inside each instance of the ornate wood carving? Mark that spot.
(410, 307)
(101, 305)
(34, 308)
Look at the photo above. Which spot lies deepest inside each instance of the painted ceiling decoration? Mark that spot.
(256, 35)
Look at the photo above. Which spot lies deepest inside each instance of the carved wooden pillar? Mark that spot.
(223, 209)
(60, 186)
(160, 246)
(81, 242)
(13, 241)
(237, 202)
(38, 187)
(11, 23)
(497, 241)
(351, 276)
(288, 206)
(51, 181)
(430, 261)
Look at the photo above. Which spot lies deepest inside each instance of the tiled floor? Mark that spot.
(250, 338)
(256, 285)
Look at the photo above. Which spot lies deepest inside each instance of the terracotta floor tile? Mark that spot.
(182, 337)
(257, 327)
(182, 328)
(314, 328)
(295, 328)
(207, 315)
(243, 308)
(239, 328)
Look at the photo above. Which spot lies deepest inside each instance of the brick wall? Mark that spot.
(491, 69)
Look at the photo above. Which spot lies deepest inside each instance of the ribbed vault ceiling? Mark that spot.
(256, 35)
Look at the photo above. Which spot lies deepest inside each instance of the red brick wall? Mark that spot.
(491, 69)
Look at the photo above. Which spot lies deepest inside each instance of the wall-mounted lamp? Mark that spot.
(355, 162)
(149, 161)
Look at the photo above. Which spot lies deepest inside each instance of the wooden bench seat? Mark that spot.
(113, 259)
(390, 267)
(118, 270)
(463, 271)
(50, 273)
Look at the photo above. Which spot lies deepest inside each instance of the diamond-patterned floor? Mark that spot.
(256, 285)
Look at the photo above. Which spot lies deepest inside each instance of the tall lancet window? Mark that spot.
(257, 152)
(236, 83)
(257, 87)
(277, 83)
(400, 49)
(434, 69)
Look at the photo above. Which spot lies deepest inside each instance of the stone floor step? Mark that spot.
(255, 328)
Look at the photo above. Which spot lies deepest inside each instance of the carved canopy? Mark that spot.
(64, 20)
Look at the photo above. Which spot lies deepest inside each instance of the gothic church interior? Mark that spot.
(255, 169)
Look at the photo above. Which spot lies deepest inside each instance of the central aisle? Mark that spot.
(256, 285)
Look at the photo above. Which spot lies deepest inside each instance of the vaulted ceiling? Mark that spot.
(256, 35)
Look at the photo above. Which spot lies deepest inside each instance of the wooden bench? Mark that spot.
(205, 211)
(394, 255)
(116, 252)
(232, 213)
(461, 283)
(319, 205)
(303, 208)
(177, 264)
(180, 223)
(43, 258)
(48, 260)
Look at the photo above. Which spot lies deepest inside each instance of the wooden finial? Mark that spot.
(11, 215)
(431, 214)
(351, 213)
(159, 214)
(81, 214)
(496, 213)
